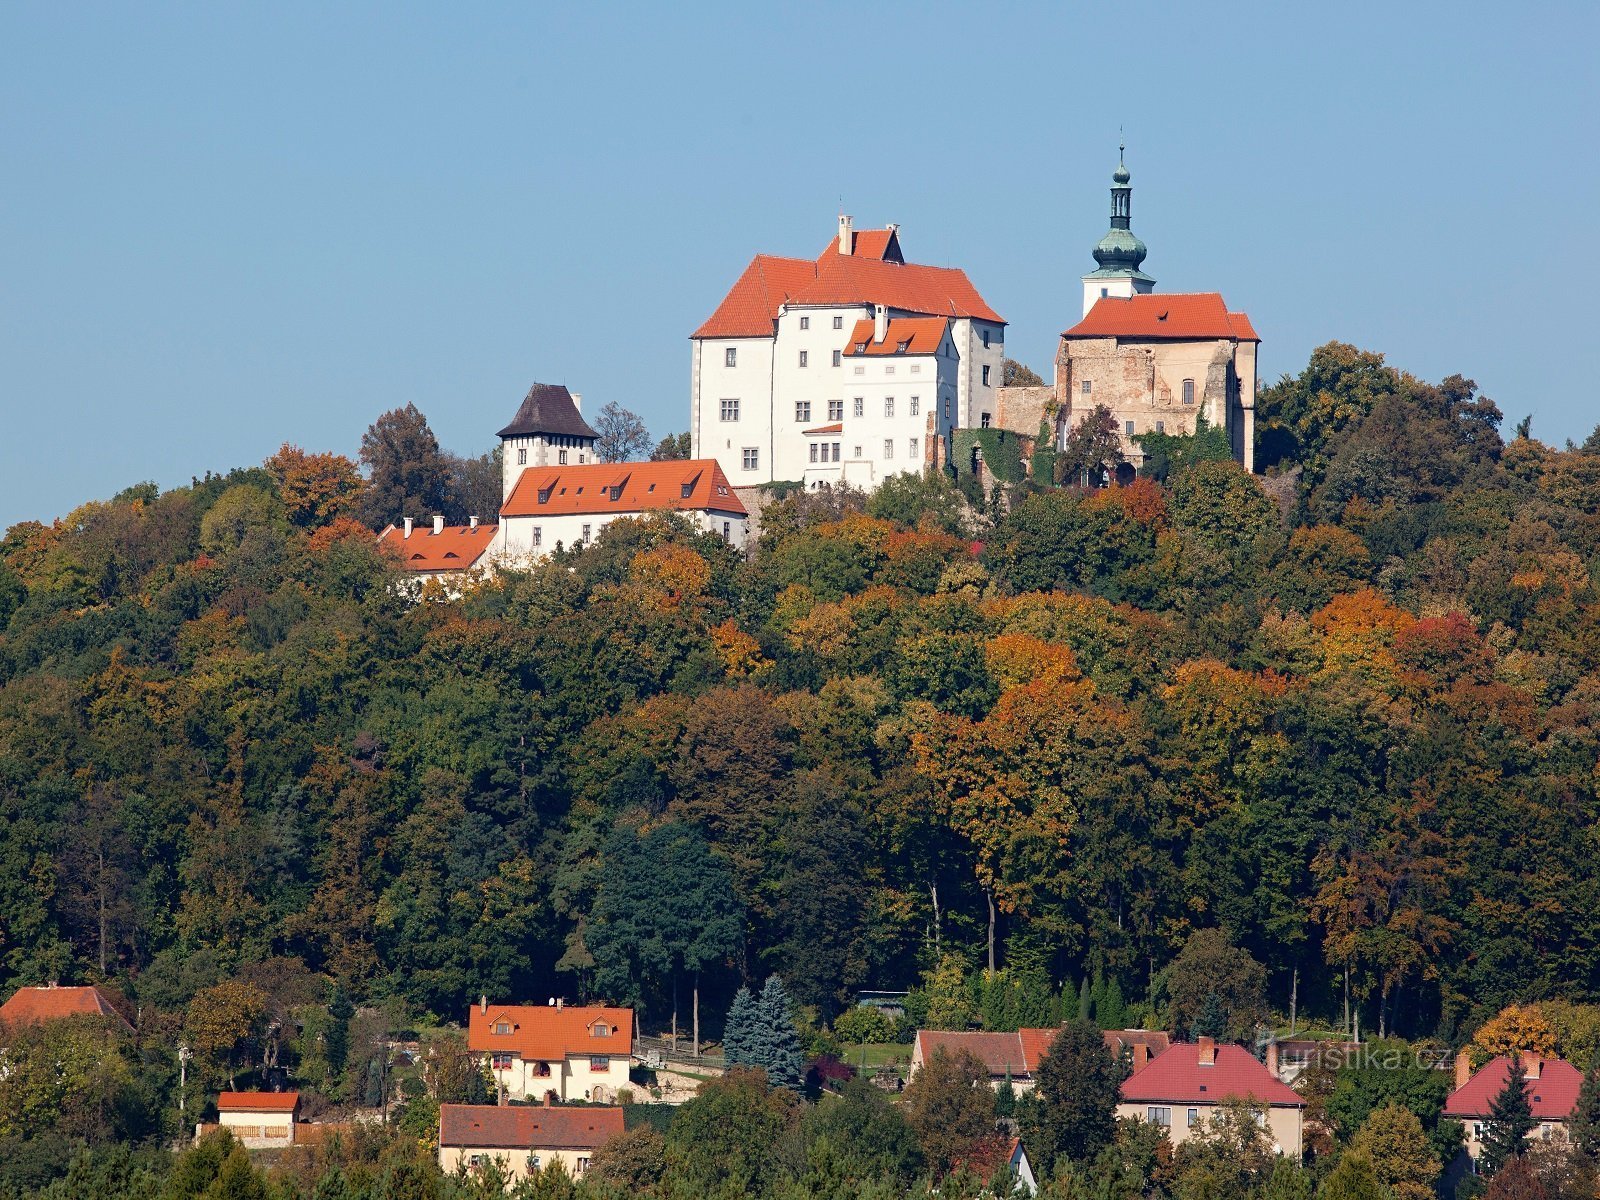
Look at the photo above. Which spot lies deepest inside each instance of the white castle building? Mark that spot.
(849, 367)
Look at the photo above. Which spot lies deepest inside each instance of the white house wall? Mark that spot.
(515, 543)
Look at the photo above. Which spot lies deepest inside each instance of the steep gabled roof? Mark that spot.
(919, 335)
(1016, 1054)
(1552, 1096)
(549, 1034)
(1178, 1076)
(680, 485)
(548, 408)
(1182, 316)
(874, 274)
(33, 1005)
(489, 1127)
(453, 548)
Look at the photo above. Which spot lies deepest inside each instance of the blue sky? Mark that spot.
(227, 226)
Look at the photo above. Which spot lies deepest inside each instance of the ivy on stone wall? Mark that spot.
(1000, 449)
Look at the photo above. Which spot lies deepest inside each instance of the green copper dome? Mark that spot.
(1120, 254)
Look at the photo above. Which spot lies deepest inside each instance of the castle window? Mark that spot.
(805, 322)
(1161, 426)
(730, 410)
(561, 457)
(888, 406)
(730, 357)
(985, 420)
(860, 406)
(835, 410)
(912, 447)
(1086, 386)
(752, 458)
(1127, 428)
(836, 452)
(586, 535)
(986, 376)
(888, 447)
(802, 410)
(813, 451)
(916, 406)
(985, 339)
(838, 322)
(1188, 391)
(804, 358)
(838, 358)
(522, 456)
(538, 536)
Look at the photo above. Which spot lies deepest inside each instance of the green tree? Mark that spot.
(1505, 1133)
(734, 1137)
(1015, 374)
(951, 1108)
(1210, 965)
(673, 446)
(1585, 1122)
(1092, 447)
(1071, 1113)
(771, 1040)
(1392, 1138)
(1353, 1178)
(409, 476)
(633, 1162)
(868, 1131)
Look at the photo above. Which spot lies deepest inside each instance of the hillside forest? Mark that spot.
(1001, 750)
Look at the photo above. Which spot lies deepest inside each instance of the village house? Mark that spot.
(447, 553)
(847, 368)
(522, 1139)
(1551, 1084)
(555, 1051)
(259, 1120)
(1183, 1088)
(36, 1005)
(1013, 1057)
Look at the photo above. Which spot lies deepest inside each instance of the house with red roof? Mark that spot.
(259, 1120)
(36, 1005)
(449, 554)
(523, 1140)
(1157, 362)
(1006, 1056)
(1551, 1085)
(846, 368)
(555, 1051)
(1183, 1088)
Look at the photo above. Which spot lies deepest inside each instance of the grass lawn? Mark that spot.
(879, 1056)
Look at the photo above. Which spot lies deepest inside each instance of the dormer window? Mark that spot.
(616, 492)
(861, 347)
(601, 1029)
(902, 347)
(502, 1027)
(688, 490)
(544, 495)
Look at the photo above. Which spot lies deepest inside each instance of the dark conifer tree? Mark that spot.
(1510, 1121)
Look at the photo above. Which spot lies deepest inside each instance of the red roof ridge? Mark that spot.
(623, 488)
(1176, 1075)
(453, 548)
(1552, 1096)
(1174, 316)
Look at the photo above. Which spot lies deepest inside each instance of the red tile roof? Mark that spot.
(645, 487)
(872, 275)
(258, 1101)
(1177, 1077)
(1017, 1054)
(837, 427)
(1192, 316)
(1552, 1096)
(485, 1126)
(29, 1005)
(546, 1034)
(871, 243)
(454, 548)
(921, 335)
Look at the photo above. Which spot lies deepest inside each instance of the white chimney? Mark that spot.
(408, 528)
(846, 239)
(472, 522)
(577, 401)
(558, 1003)
(438, 523)
(893, 227)
(483, 1002)
(880, 322)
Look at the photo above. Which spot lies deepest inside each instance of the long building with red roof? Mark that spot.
(523, 1140)
(843, 369)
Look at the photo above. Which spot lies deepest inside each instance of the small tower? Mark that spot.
(1119, 253)
(548, 430)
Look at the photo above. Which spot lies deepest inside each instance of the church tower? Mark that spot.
(1119, 253)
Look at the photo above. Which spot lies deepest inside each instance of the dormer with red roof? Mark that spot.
(553, 1051)
(785, 353)
(1182, 1088)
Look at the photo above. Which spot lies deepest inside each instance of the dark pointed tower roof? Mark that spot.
(1120, 254)
(548, 408)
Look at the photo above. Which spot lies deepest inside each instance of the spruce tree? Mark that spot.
(1585, 1122)
(1510, 1121)
(1212, 1018)
(738, 1031)
(777, 1041)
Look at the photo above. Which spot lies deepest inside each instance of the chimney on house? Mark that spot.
(558, 1003)
(472, 522)
(880, 322)
(547, 1100)
(577, 401)
(1463, 1068)
(1272, 1056)
(438, 523)
(1208, 1052)
(408, 527)
(1141, 1055)
(483, 1002)
(846, 237)
(1531, 1064)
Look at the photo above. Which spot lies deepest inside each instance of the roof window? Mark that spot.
(902, 346)
(544, 495)
(688, 490)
